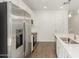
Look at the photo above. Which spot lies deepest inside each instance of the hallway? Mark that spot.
(45, 50)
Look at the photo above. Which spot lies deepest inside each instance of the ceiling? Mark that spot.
(39, 4)
(51, 4)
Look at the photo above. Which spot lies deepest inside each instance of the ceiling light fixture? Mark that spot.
(61, 7)
(70, 15)
(45, 7)
(78, 11)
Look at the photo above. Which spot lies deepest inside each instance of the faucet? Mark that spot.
(68, 40)
(74, 36)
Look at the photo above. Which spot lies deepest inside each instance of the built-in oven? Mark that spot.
(19, 37)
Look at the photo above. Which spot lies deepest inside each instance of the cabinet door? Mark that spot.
(60, 50)
(66, 54)
(15, 10)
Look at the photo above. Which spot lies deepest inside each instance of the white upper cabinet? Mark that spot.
(19, 12)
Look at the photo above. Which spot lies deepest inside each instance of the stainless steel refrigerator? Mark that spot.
(15, 34)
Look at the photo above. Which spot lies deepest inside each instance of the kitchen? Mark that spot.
(35, 29)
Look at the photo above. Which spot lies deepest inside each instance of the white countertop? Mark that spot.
(73, 49)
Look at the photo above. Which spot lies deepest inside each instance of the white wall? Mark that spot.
(50, 22)
(74, 24)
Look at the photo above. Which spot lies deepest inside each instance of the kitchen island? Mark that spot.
(66, 49)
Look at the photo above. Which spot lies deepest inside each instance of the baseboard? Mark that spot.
(46, 41)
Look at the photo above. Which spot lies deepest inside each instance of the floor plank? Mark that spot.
(44, 50)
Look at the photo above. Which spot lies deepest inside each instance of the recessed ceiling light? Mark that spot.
(61, 7)
(45, 7)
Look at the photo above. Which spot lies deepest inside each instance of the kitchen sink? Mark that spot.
(68, 40)
(64, 39)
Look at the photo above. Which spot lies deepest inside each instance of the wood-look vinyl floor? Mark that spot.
(45, 50)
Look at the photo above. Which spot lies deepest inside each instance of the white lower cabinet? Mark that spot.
(61, 50)
(65, 53)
